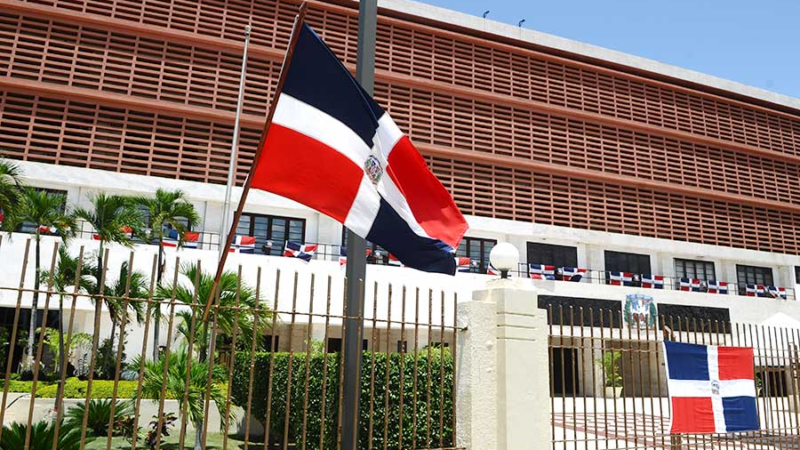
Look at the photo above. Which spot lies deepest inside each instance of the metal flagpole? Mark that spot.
(356, 248)
(287, 60)
(226, 207)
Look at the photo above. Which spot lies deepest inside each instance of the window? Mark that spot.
(376, 255)
(335, 345)
(553, 255)
(276, 229)
(477, 250)
(688, 268)
(28, 227)
(627, 262)
(796, 274)
(753, 275)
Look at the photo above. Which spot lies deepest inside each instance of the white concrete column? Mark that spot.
(476, 376)
(522, 403)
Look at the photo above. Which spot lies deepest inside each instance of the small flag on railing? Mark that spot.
(542, 272)
(750, 290)
(47, 230)
(691, 284)
(342, 255)
(620, 278)
(574, 274)
(761, 290)
(777, 292)
(126, 230)
(491, 270)
(652, 281)
(244, 244)
(711, 388)
(463, 264)
(301, 251)
(190, 239)
(717, 287)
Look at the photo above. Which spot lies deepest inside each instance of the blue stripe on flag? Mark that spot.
(391, 232)
(320, 80)
(740, 413)
(687, 361)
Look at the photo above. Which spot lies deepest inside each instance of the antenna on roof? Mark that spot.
(486, 13)
(520, 23)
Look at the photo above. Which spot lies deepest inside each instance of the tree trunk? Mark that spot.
(34, 304)
(198, 435)
(157, 307)
(111, 353)
(62, 360)
(98, 301)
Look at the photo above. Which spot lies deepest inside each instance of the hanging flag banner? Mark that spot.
(711, 388)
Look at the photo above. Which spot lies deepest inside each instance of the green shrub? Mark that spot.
(42, 434)
(422, 427)
(75, 388)
(99, 415)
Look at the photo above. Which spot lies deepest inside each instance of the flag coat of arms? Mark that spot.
(243, 244)
(542, 272)
(357, 166)
(711, 388)
(301, 251)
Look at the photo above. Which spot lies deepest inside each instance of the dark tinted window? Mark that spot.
(554, 255)
(272, 228)
(477, 250)
(753, 275)
(627, 262)
(688, 268)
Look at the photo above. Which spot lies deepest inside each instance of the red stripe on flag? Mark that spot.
(735, 363)
(692, 415)
(303, 169)
(432, 205)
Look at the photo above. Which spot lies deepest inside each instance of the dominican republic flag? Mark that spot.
(463, 264)
(571, 273)
(717, 287)
(126, 230)
(652, 281)
(172, 239)
(333, 149)
(491, 270)
(756, 290)
(302, 251)
(542, 272)
(711, 388)
(342, 255)
(620, 278)
(777, 292)
(691, 284)
(243, 244)
(393, 261)
(44, 229)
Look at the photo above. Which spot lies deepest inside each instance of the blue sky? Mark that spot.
(753, 42)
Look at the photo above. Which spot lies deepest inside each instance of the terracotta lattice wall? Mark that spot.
(514, 131)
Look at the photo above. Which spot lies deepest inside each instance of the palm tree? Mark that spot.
(64, 280)
(109, 217)
(167, 208)
(10, 184)
(175, 382)
(225, 315)
(45, 211)
(114, 298)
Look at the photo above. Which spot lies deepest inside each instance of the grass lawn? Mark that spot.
(214, 441)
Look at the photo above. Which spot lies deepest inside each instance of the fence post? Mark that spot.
(476, 372)
(523, 405)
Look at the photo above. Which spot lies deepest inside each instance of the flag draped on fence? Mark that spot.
(652, 281)
(300, 251)
(542, 272)
(711, 388)
(244, 244)
(355, 164)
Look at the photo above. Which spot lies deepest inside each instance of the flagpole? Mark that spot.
(287, 59)
(356, 249)
(226, 207)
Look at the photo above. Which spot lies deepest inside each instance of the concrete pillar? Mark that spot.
(476, 376)
(503, 378)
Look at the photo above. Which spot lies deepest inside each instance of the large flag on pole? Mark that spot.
(333, 149)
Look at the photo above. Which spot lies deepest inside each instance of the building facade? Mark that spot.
(580, 156)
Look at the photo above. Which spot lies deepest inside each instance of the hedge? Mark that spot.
(422, 427)
(75, 388)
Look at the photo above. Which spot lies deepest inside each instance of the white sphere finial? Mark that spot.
(504, 257)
